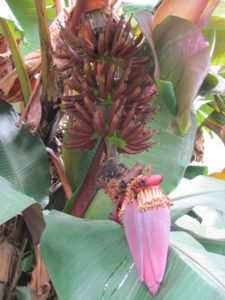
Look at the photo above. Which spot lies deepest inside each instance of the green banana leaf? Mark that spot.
(24, 176)
(24, 293)
(23, 158)
(215, 33)
(91, 260)
(213, 246)
(25, 13)
(131, 8)
(77, 165)
(13, 202)
(211, 238)
(100, 207)
(201, 190)
(7, 14)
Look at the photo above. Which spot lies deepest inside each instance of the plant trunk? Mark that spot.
(49, 122)
(13, 240)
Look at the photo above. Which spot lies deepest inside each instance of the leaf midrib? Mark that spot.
(11, 167)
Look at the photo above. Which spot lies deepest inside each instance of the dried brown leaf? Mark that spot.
(40, 279)
(198, 147)
(32, 63)
(33, 111)
(5, 62)
(58, 163)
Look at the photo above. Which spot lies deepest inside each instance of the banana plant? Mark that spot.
(92, 193)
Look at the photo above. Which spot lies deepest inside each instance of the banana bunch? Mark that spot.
(111, 91)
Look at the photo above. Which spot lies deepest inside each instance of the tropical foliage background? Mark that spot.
(67, 247)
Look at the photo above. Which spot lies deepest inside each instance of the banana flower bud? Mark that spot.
(146, 219)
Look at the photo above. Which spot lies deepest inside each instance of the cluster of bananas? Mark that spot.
(111, 91)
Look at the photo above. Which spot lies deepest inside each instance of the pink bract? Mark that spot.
(147, 233)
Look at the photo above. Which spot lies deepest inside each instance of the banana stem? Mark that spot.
(112, 152)
(46, 49)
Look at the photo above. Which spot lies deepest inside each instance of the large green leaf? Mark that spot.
(94, 254)
(77, 165)
(201, 190)
(7, 14)
(211, 238)
(100, 208)
(23, 158)
(184, 60)
(215, 246)
(25, 13)
(13, 202)
(131, 8)
(215, 33)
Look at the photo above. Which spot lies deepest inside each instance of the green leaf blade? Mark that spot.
(25, 13)
(23, 158)
(96, 254)
(201, 190)
(13, 202)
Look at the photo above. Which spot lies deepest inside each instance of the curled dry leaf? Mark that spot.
(58, 163)
(9, 85)
(54, 35)
(40, 279)
(198, 147)
(5, 62)
(10, 90)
